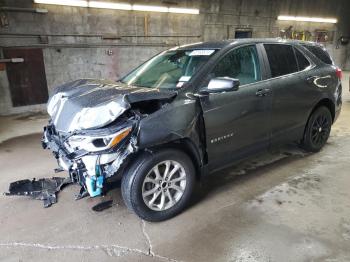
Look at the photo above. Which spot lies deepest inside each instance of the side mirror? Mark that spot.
(222, 84)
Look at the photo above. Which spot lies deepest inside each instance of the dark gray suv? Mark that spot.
(190, 111)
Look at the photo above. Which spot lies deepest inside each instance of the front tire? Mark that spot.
(158, 185)
(317, 130)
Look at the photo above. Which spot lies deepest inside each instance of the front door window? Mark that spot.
(242, 64)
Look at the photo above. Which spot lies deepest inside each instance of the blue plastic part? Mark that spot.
(94, 185)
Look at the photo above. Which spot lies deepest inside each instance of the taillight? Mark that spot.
(339, 73)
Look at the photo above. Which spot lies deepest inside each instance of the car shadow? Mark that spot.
(253, 167)
(245, 170)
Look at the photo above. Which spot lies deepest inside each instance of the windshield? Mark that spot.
(170, 69)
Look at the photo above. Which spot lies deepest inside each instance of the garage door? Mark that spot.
(27, 80)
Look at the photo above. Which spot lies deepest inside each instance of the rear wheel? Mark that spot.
(158, 186)
(317, 129)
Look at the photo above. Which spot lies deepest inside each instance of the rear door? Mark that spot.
(292, 96)
(236, 122)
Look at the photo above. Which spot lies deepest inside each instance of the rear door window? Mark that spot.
(320, 53)
(281, 59)
(241, 63)
(303, 63)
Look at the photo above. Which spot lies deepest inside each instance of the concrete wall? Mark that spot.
(223, 17)
(347, 58)
(77, 47)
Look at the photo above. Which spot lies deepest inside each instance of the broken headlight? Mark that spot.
(94, 144)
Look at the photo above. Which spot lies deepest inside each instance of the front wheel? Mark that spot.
(158, 185)
(317, 129)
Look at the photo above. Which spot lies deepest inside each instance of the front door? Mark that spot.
(236, 122)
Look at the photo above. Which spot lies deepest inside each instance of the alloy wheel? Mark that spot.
(320, 130)
(164, 185)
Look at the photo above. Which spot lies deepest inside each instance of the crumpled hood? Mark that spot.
(89, 103)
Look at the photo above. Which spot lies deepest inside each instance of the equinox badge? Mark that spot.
(218, 139)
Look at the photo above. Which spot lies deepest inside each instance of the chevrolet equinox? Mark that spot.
(190, 111)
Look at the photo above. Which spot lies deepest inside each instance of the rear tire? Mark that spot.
(317, 130)
(158, 185)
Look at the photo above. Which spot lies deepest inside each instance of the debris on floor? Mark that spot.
(103, 206)
(44, 189)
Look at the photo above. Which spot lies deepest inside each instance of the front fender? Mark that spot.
(174, 121)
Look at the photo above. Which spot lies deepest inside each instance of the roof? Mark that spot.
(207, 45)
(224, 43)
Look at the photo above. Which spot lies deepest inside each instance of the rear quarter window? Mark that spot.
(320, 53)
(303, 63)
(281, 59)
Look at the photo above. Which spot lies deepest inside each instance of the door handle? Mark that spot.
(12, 60)
(263, 92)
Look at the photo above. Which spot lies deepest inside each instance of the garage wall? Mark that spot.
(89, 43)
(99, 43)
(347, 58)
(224, 17)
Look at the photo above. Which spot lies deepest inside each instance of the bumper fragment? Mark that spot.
(44, 189)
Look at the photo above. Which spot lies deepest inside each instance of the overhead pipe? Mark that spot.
(21, 9)
(103, 36)
(88, 45)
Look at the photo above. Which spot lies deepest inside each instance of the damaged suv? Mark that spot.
(190, 111)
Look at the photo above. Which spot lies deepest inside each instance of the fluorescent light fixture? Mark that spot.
(81, 3)
(183, 10)
(109, 5)
(150, 8)
(119, 6)
(307, 19)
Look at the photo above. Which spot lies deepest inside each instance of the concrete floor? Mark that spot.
(282, 206)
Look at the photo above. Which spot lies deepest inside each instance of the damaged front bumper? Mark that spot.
(91, 157)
